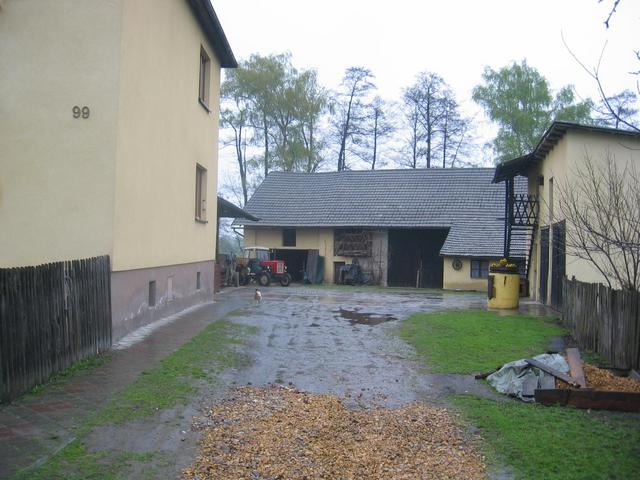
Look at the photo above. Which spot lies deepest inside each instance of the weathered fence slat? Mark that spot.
(51, 316)
(604, 320)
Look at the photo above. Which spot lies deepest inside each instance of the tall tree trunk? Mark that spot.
(375, 141)
(415, 139)
(429, 132)
(265, 130)
(445, 134)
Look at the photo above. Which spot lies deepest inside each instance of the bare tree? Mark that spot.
(234, 116)
(377, 128)
(602, 212)
(454, 130)
(621, 105)
(426, 93)
(413, 144)
(356, 84)
(611, 110)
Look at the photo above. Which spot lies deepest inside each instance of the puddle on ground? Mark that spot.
(362, 318)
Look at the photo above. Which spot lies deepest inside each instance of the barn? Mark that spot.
(426, 228)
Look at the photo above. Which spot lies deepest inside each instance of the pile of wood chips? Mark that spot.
(602, 379)
(282, 433)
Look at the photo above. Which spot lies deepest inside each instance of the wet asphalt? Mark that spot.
(345, 343)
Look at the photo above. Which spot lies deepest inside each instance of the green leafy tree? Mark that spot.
(270, 114)
(519, 99)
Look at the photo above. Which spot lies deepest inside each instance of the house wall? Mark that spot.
(57, 172)
(461, 279)
(560, 165)
(175, 289)
(163, 132)
(321, 239)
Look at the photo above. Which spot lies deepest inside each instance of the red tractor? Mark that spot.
(257, 265)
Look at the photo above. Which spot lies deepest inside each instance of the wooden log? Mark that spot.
(551, 371)
(592, 399)
(575, 366)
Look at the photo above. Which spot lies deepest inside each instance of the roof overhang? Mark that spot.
(210, 24)
(512, 168)
(226, 209)
(557, 130)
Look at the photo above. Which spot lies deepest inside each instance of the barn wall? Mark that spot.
(461, 279)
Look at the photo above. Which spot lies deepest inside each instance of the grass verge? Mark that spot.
(466, 341)
(172, 382)
(75, 462)
(541, 442)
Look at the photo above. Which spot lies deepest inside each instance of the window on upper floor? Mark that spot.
(205, 77)
(289, 237)
(201, 194)
(479, 268)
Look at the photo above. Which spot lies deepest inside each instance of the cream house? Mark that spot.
(430, 228)
(109, 132)
(553, 165)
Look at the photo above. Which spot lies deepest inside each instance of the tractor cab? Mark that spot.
(262, 254)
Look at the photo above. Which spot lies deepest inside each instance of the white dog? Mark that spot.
(258, 296)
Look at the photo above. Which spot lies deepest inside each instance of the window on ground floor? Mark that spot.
(201, 193)
(479, 268)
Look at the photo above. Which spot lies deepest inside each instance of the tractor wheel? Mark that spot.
(264, 279)
(285, 280)
(245, 276)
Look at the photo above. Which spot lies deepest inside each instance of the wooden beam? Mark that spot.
(593, 399)
(551, 371)
(575, 365)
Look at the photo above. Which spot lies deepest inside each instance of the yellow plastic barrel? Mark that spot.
(504, 290)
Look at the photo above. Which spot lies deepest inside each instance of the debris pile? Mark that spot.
(282, 433)
(553, 379)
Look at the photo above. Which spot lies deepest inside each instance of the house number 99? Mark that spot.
(81, 112)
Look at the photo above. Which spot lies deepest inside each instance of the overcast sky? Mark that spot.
(454, 38)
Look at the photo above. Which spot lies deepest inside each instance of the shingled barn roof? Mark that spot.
(464, 200)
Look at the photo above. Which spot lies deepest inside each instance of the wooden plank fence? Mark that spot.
(604, 320)
(51, 316)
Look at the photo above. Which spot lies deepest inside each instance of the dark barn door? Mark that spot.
(558, 263)
(295, 260)
(414, 258)
(544, 263)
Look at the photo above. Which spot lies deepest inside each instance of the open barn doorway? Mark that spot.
(295, 260)
(414, 258)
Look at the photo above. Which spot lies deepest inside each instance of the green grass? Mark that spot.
(75, 462)
(466, 341)
(172, 382)
(541, 442)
